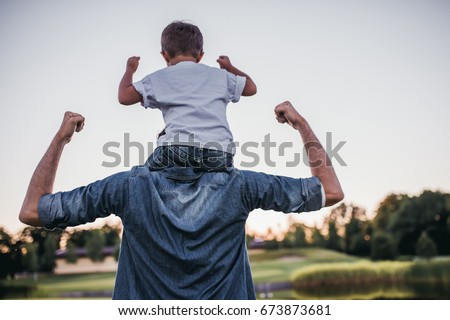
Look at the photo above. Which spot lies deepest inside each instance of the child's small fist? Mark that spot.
(224, 62)
(133, 63)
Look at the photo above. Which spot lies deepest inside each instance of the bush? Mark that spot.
(430, 279)
(16, 291)
(425, 246)
(382, 247)
(373, 280)
(359, 280)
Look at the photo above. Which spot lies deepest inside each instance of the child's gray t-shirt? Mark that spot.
(193, 99)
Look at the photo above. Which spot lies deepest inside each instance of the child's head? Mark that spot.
(182, 38)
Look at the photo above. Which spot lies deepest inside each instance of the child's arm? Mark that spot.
(127, 93)
(250, 86)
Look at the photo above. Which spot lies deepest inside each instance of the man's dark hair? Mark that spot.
(182, 38)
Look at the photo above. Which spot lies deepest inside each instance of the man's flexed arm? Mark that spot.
(319, 162)
(44, 175)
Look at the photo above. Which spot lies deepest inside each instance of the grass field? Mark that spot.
(318, 274)
(279, 265)
(59, 286)
(267, 267)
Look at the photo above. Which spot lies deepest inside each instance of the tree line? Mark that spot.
(34, 250)
(403, 227)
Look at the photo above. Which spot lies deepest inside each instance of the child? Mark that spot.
(193, 99)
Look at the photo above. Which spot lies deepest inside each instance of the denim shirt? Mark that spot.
(183, 231)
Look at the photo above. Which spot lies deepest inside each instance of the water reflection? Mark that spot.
(416, 289)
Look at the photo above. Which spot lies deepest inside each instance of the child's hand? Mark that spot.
(133, 64)
(224, 62)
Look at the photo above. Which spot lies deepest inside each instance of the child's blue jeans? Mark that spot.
(200, 159)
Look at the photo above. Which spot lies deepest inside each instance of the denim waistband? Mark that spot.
(200, 159)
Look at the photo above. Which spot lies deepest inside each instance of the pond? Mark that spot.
(424, 289)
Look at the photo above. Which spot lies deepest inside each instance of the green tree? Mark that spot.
(360, 243)
(387, 209)
(79, 237)
(8, 255)
(425, 246)
(317, 238)
(116, 252)
(299, 237)
(31, 259)
(333, 241)
(71, 252)
(47, 242)
(95, 244)
(355, 231)
(249, 238)
(405, 218)
(48, 257)
(111, 234)
(296, 236)
(271, 242)
(343, 223)
(383, 247)
(429, 211)
(287, 242)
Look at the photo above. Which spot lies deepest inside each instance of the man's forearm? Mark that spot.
(41, 182)
(319, 163)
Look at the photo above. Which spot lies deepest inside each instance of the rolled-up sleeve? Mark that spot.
(236, 86)
(85, 204)
(145, 89)
(278, 193)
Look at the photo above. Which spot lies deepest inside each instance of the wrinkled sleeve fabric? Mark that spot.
(85, 204)
(278, 193)
(145, 89)
(236, 85)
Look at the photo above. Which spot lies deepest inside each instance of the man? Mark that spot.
(183, 231)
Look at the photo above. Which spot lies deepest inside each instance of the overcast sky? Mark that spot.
(374, 74)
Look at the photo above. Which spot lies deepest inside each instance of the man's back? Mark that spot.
(184, 232)
(185, 237)
(208, 211)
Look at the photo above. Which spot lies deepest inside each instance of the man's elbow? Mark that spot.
(30, 218)
(24, 217)
(334, 197)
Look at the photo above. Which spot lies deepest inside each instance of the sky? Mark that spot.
(372, 78)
